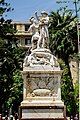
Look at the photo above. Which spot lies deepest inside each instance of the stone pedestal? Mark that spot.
(45, 112)
(42, 94)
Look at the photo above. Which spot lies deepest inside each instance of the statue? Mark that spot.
(39, 29)
(34, 30)
(40, 54)
(43, 41)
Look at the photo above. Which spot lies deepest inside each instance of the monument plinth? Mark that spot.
(41, 74)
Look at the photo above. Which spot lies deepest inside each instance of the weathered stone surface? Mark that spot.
(35, 80)
(40, 57)
(42, 113)
(43, 110)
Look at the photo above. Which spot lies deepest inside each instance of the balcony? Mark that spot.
(23, 33)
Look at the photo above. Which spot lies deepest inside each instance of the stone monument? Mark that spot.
(41, 74)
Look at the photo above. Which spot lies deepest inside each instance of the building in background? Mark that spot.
(75, 64)
(74, 70)
(22, 34)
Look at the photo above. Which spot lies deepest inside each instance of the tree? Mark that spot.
(16, 94)
(63, 34)
(75, 2)
(10, 57)
(63, 43)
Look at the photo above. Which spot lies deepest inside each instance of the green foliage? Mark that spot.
(68, 91)
(75, 8)
(76, 95)
(16, 90)
(63, 43)
(10, 58)
(4, 7)
(63, 35)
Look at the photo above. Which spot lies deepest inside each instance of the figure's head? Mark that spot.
(44, 13)
(32, 19)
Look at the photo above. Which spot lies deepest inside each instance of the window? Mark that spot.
(20, 27)
(27, 41)
(26, 27)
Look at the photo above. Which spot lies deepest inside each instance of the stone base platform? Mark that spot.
(42, 111)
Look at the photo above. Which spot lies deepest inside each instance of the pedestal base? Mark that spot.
(42, 111)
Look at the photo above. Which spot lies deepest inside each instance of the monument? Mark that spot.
(41, 77)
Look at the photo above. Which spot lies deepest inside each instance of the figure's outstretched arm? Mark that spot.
(30, 28)
(37, 17)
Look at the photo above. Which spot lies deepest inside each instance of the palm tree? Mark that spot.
(63, 34)
(63, 43)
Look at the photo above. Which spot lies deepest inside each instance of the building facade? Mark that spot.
(22, 34)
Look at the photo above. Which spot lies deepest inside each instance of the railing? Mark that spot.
(23, 33)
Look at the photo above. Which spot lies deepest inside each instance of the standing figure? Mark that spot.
(43, 41)
(34, 29)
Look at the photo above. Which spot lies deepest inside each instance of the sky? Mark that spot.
(24, 9)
